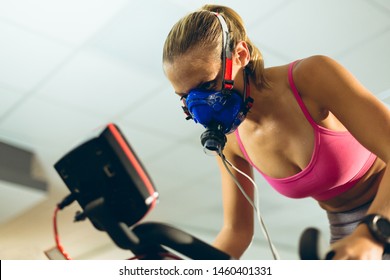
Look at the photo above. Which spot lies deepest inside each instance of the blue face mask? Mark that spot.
(223, 109)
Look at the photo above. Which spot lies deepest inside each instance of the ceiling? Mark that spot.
(69, 67)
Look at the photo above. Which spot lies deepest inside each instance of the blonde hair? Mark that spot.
(202, 29)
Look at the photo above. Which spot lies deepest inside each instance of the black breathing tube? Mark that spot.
(213, 140)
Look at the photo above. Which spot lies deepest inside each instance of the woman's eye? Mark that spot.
(208, 85)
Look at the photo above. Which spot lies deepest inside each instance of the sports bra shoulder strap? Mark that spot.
(298, 96)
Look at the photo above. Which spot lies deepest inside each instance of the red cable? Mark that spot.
(57, 237)
(66, 255)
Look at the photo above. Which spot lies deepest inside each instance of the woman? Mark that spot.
(312, 130)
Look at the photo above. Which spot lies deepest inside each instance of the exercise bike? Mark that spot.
(107, 179)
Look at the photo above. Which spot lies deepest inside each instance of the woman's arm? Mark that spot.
(333, 88)
(238, 223)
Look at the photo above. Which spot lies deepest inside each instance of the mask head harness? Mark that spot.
(219, 111)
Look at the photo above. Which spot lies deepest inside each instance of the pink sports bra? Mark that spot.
(337, 163)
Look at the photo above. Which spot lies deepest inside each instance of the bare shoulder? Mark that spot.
(315, 62)
(325, 80)
(318, 67)
(331, 87)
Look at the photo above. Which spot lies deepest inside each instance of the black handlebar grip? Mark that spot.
(313, 247)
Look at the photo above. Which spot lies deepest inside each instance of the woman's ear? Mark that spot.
(241, 54)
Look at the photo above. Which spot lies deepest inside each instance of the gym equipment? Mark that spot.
(107, 179)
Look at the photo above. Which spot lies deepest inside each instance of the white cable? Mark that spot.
(252, 203)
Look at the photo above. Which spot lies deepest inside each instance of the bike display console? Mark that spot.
(106, 177)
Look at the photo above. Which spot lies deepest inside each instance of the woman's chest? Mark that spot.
(281, 142)
(280, 148)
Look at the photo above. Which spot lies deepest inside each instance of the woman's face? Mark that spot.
(202, 69)
(195, 69)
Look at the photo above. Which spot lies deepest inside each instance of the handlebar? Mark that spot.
(178, 240)
(312, 246)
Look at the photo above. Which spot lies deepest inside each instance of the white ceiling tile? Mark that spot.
(271, 59)
(305, 27)
(122, 37)
(253, 13)
(162, 112)
(145, 49)
(180, 166)
(383, 4)
(93, 82)
(8, 98)
(387, 102)
(385, 97)
(72, 21)
(37, 123)
(372, 70)
(147, 144)
(250, 11)
(27, 59)
(199, 201)
(201, 198)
